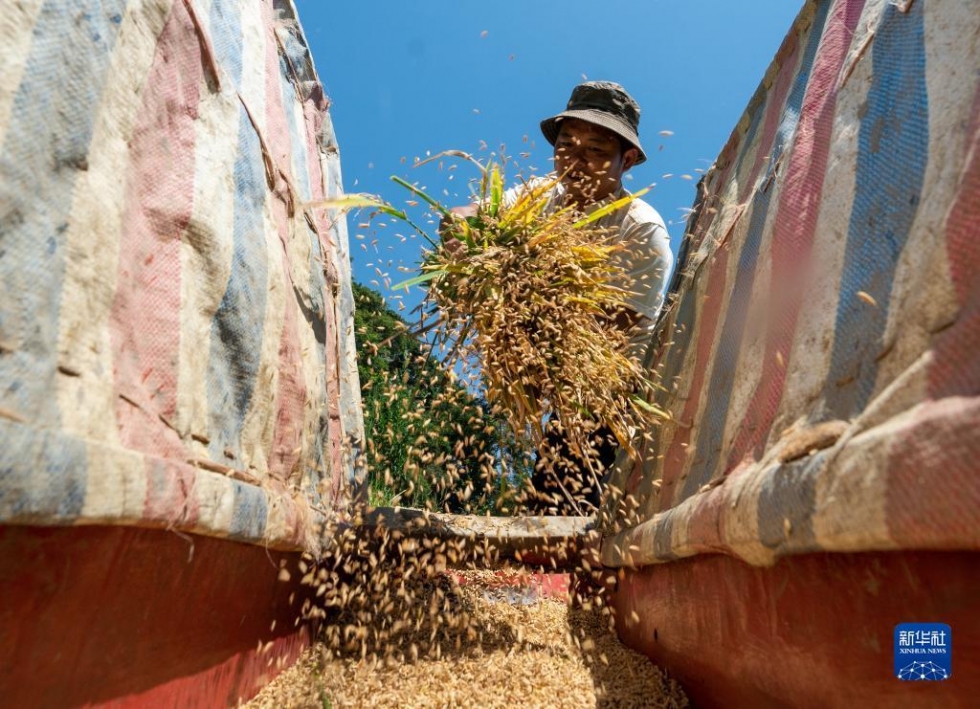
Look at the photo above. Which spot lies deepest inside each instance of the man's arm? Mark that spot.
(648, 268)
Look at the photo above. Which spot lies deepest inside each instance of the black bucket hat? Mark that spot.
(606, 104)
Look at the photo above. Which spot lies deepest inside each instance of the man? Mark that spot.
(596, 141)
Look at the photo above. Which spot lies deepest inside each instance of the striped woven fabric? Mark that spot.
(820, 349)
(176, 344)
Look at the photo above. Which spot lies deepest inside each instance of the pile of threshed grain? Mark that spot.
(530, 654)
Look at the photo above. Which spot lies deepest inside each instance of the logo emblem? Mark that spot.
(923, 652)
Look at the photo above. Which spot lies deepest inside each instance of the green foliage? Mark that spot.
(430, 442)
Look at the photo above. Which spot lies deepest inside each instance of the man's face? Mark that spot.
(590, 159)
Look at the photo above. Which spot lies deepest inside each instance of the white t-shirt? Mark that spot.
(646, 258)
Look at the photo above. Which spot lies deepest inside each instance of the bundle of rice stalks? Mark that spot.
(531, 295)
(528, 295)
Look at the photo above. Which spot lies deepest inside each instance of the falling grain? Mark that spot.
(867, 298)
(510, 651)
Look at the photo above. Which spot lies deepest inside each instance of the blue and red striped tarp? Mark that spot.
(176, 344)
(820, 350)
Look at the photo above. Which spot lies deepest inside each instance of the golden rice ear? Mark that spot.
(531, 201)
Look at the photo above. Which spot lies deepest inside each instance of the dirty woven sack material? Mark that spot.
(539, 654)
(143, 168)
(824, 394)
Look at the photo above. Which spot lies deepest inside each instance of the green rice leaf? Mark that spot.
(416, 191)
(453, 154)
(418, 279)
(609, 208)
(496, 190)
(350, 201)
(649, 408)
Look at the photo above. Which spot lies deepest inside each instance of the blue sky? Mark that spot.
(409, 79)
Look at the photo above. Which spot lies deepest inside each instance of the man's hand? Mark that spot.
(454, 246)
